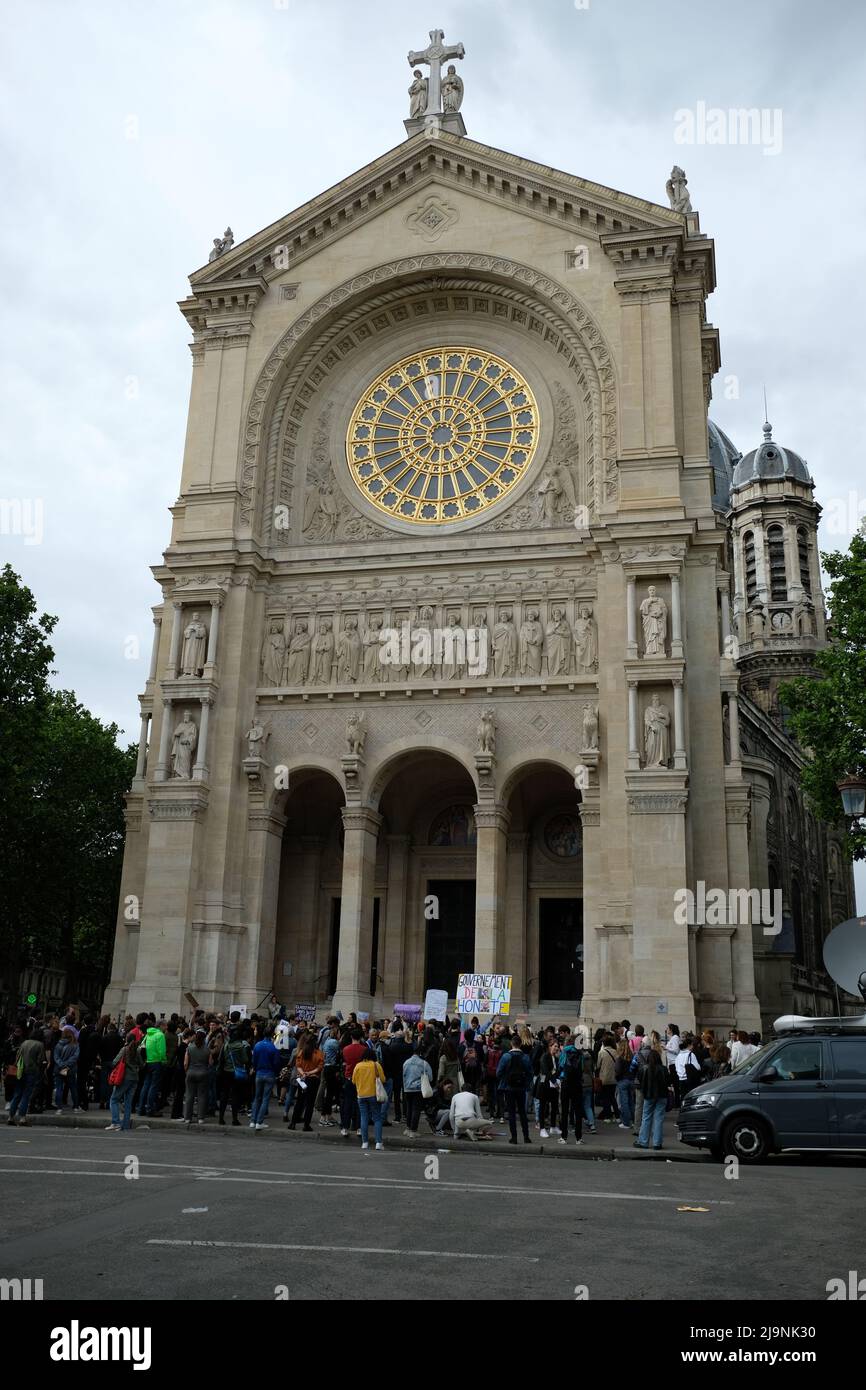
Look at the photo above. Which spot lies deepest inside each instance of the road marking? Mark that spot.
(239, 1175)
(337, 1249)
(185, 1211)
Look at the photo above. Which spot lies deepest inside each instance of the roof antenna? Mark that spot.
(768, 428)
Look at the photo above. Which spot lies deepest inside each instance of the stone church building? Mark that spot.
(472, 627)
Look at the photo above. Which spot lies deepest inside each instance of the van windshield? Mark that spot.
(750, 1063)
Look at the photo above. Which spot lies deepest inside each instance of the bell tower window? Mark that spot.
(776, 552)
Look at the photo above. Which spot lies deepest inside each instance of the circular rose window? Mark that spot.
(442, 436)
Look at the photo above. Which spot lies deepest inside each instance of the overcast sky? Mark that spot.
(134, 132)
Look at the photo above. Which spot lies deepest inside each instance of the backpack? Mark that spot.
(622, 1069)
(574, 1062)
(470, 1059)
(515, 1072)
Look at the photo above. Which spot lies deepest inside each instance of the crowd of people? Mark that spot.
(459, 1076)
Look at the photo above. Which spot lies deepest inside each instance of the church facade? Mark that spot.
(472, 628)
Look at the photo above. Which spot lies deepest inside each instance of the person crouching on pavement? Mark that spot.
(466, 1118)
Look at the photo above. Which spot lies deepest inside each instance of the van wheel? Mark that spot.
(747, 1139)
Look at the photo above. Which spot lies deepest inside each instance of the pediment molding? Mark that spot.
(576, 205)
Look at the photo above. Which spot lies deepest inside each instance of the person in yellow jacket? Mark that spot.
(364, 1078)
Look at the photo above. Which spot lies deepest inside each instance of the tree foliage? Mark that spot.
(828, 713)
(62, 779)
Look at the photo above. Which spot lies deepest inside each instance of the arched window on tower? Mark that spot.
(749, 566)
(776, 554)
(803, 559)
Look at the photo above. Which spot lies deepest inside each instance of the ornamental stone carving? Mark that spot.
(487, 732)
(322, 654)
(589, 735)
(298, 655)
(374, 672)
(348, 652)
(256, 737)
(531, 644)
(559, 642)
(356, 734)
(274, 653)
(504, 644)
(585, 641)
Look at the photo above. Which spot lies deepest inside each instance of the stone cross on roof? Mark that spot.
(434, 55)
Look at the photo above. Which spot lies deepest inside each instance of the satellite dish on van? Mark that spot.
(845, 956)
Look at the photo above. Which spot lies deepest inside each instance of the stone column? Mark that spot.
(725, 603)
(176, 635)
(154, 650)
(630, 616)
(142, 748)
(680, 757)
(162, 769)
(257, 968)
(492, 824)
(395, 925)
(516, 925)
(676, 617)
(633, 746)
(762, 578)
(200, 768)
(734, 728)
(361, 830)
(213, 634)
(792, 560)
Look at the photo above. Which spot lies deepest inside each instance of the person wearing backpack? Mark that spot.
(688, 1068)
(471, 1061)
(606, 1069)
(514, 1074)
(234, 1065)
(494, 1095)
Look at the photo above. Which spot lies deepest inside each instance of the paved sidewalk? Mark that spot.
(609, 1143)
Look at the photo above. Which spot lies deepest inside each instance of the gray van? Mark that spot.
(806, 1089)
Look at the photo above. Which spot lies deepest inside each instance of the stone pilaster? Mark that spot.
(492, 824)
(361, 830)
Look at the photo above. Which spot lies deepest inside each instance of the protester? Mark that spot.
(654, 1085)
(624, 1083)
(309, 1064)
(368, 1078)
(127, 1069)
(515, 1074)
(465, 1117)
(30, 1062)
(606, 1070)
(66, 1054)
(197, 1066)
(154, 1048)
(416, 1072)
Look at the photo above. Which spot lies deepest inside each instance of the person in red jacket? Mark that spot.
(356, 1051)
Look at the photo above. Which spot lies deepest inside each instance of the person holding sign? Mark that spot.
(514, 1074)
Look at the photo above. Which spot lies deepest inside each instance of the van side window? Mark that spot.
(849, 1060)
(798, 1061)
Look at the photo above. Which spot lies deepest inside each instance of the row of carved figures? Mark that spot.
(417, 651)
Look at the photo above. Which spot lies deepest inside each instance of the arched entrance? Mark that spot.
(544, 901)
(306, 944)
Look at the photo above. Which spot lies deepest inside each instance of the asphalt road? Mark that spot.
(182, 1215)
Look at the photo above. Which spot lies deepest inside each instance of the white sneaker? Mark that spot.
(555, 1129)
(544, 1134)
(622, 1126)
(58, 1112)
(577, 1142)
(201, 1122)
(380, 1147)
(262, 1126)
(253, 1124)
(407, 1133)
(110, 1128)
(560, 1140)
(365, 1146)
(345, 1133)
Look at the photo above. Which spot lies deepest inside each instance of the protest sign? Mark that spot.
(239, 1008)
(410, 1012)
(306, 1012)
(483, 994)
(436, 1004)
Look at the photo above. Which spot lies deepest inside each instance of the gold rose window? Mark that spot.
(442, 435)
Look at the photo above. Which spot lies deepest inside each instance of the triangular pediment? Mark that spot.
(577, 205)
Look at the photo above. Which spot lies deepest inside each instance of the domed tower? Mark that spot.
(779, 614)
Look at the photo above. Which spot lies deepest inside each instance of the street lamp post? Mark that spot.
(853, 792)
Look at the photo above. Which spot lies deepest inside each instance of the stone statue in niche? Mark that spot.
(531, 644)
(589, 733)
(657, 723)
(321, 510)
(194, 647)
(322, 655)
(548, 490)
(422, 645)
(654, 616)
(274, 653)
(356, 735)
(183, 742)
(348, 652)
(374, 673)
(559, 639)
(504, 644)
(454, 650)
(585, 640)
(298, 655)
(256, 737)
(487, 732)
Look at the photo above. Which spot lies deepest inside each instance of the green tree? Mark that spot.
(62, 779)
(828, 712)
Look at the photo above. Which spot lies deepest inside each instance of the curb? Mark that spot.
(424, 1144)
